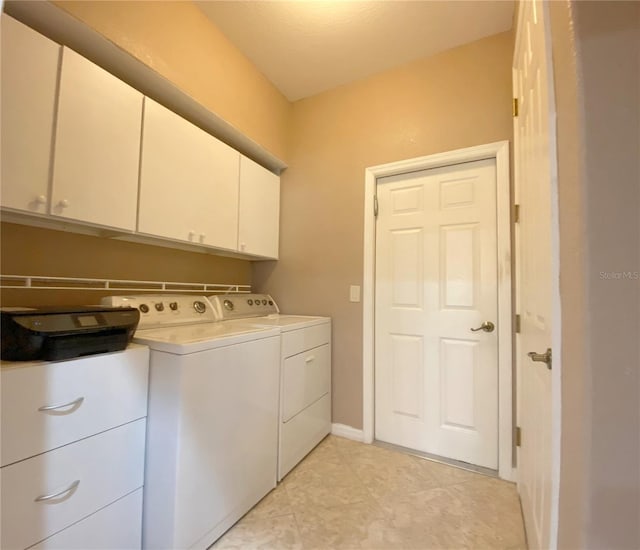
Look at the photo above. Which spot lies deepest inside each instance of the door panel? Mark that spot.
(436, 381)
(533, 154)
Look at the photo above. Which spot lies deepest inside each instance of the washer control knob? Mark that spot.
(144, 308)
(159, 306)
(250, 301)
(173, 306)
(264, 302)
(228, 305)
(199, 306)
(270, 302)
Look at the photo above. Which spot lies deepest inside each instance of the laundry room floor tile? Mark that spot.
(262, 533)
(347, 495)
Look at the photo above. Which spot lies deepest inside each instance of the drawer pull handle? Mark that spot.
(73, 404)
(310, 358)
(72, 487)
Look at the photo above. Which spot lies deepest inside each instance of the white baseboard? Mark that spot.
(347, 432)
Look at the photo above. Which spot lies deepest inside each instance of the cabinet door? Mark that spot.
(29, 81)
(97, 149)
(188, 182)
(259, 212)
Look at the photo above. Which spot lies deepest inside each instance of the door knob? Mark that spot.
(487, 326)
(541, 357)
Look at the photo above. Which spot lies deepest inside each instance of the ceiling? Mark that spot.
(308, 46)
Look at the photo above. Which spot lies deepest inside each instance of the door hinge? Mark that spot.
(517, 323)
(375, 205)
(517, 436)
(515, 107)
(516, 213)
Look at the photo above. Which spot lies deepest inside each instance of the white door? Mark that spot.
(534, 153)
(436, 381)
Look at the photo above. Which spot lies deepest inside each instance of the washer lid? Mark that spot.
(181, 340)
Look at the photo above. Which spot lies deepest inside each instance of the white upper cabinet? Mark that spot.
(79, 145)
(259, 211)
(188, 182)
(97, 147)
(29, 81)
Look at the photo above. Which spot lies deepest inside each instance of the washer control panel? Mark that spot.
(165, 310)
(239, 306)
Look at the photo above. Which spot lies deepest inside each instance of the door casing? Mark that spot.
(500, 152)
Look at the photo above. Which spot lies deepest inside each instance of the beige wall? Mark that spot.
(597, 71)
(608, 52)
(178, 41)
(28, 250)
(455, 99)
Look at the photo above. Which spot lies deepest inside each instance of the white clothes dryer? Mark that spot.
(305, 371)
(212, 421)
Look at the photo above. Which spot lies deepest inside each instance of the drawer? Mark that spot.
(110, 390)
(297, 341)
(306, 377)
(118, 526)
(302, 433)
(107, 466)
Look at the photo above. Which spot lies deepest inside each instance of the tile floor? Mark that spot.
(347, 495)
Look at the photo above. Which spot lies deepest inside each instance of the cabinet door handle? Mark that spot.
(310, 359)
(73, 404)
(203, 236)
(71, 487)
(63, 203)
(41, 199)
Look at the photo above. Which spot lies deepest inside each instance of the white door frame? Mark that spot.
(500, 152)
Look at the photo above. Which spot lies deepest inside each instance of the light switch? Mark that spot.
(354, 293)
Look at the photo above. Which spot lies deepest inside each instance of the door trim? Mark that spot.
(500, 152)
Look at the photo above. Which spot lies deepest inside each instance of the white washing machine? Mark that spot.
(213, 419)
(305, 371)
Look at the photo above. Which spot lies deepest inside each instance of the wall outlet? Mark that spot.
(354, 293)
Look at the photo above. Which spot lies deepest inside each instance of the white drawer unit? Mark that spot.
(51, 491)
(47, 405)
(73, 448)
